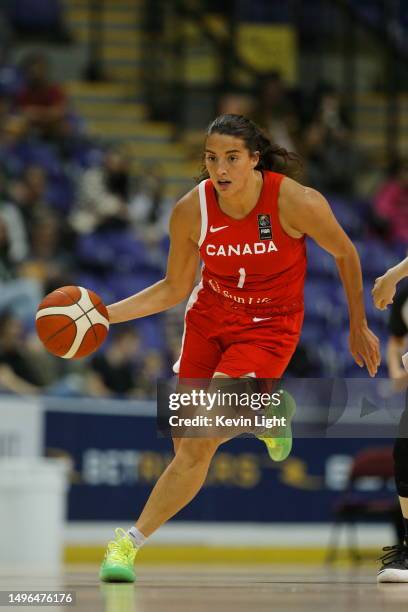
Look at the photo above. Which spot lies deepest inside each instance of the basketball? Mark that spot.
(72, 322)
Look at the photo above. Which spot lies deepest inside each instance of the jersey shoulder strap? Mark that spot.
(203, 210)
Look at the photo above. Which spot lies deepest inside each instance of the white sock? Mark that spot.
(137, 537)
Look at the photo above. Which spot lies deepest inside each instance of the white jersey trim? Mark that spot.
(204, 213)
(191, 301)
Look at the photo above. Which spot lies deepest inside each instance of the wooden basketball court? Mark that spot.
(222, 588)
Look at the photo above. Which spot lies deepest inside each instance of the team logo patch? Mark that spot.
(264, 227)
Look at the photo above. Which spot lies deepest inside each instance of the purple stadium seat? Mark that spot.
(151, 332)
(42, 154)
(347, 215)
(319, 262)
(118, 252)
(35, 14)
(314, 331)
(97, 284)
(10, 81)
(376, 257)
(320, 299)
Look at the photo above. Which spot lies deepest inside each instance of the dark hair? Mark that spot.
(271, 156)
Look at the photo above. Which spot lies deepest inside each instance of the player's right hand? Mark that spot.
(365, 348)
(383, 291)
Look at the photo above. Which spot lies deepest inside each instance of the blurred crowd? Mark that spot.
(74, 212)
(317, 125)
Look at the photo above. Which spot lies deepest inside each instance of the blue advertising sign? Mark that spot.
(117, 458)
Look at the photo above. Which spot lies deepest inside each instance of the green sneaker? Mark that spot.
(117, 565)
(279, 441)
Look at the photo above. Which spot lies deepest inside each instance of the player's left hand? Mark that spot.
(383, 291)
(365, 348)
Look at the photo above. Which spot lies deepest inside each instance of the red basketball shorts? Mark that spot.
(234, 342)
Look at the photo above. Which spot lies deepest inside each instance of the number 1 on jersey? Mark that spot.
(242, 275)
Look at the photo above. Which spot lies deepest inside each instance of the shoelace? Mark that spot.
(121, 549)
(395, 554)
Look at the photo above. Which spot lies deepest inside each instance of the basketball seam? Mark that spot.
(71, 319)
(85, 312)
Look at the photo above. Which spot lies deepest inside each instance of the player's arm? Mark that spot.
(395, 349)
(306, 211)
(398, 374)
(397, 343)
(182, 266)
(385, 286)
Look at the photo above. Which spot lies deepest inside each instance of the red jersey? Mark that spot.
(251, 261)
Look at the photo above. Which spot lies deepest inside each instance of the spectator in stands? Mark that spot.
(236, 103)
(104, 194)
(13, 146)
(148, 210)
(332, 159)
(48, 262)
(4, 107)
(152, 369)
(18, 373)
(14, 245)
(276, 112)
(42, 102)
(18, 294)
(30, 194)
(9, 75)
(391, 203)
(114, 372)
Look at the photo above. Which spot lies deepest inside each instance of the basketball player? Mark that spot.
(394, 566)
(385, 286)
(248, 223)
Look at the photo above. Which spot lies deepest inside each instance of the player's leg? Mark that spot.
(179, 483)
(394, 566)
(183, 477)
(181, 480)
(249, 360)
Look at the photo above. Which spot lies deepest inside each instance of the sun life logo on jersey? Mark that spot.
(229, 250)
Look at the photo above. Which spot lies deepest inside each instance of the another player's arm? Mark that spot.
(385, 286)
(306, 211)
(395, 348)
(397, 344)
(181, 272)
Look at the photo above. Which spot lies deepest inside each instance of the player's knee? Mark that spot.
(401, 466)
(192, 451)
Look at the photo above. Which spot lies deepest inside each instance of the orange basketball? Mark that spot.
(72, 322)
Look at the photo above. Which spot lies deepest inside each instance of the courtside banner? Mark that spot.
(116, 457)
(302, 408)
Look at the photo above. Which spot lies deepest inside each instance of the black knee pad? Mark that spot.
(401, 466)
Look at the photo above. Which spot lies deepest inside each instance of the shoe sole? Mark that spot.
(392, 575)
(116, 574)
